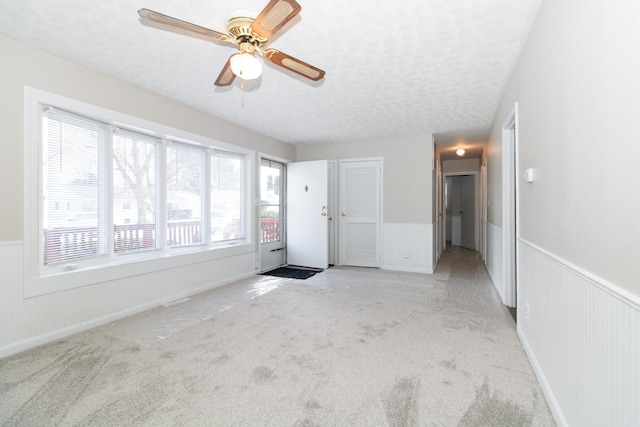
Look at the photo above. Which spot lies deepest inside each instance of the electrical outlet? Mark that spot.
(406, 254)
(526, 312)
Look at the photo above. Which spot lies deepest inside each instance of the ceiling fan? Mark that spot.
(250, 35)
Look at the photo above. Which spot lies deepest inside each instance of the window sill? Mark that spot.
(46, 284)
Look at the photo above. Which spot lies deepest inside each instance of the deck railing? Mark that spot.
(65, 243)
(269, 229)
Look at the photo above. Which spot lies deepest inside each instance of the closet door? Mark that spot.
(360, 212)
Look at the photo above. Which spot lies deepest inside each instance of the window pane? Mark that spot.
(134, 192)
(269, 224)
(227, 171)
(270, 200)
(184, 200)
(74, 197)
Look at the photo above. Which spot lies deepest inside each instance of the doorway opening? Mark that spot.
(461, 200)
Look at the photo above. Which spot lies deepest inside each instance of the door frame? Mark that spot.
(332, 211)
(483, 208)
(438, 210)
(476, 204)
(510, 207)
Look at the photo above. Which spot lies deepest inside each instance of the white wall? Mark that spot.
(25, 322)
(408, 211)
(461, 165)
(578, 95)
(408, 167)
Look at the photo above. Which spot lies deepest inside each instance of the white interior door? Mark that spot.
(360, 213)
(307, 217)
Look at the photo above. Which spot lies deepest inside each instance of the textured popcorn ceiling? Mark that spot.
(394, 68)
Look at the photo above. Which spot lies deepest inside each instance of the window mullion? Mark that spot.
(206, 198)
(161, 199)
(107, 205)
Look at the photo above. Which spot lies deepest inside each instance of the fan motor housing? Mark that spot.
(239, 27)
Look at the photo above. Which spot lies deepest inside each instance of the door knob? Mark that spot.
(330, 218)
(344, 214)
(323, 214)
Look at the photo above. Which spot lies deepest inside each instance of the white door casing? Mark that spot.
(360, 212)
(462, 197)
(468, 208)
(509, 206)
(483, 215)
(307, 217)
(332, 209)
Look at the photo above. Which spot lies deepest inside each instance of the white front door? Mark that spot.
(360, 212)
(307, 215)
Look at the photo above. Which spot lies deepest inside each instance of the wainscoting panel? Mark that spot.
(582, 336)
(494, 257)
(408, 247)
(10, 290)
(28, 322)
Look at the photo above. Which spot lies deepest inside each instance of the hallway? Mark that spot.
(349, 346)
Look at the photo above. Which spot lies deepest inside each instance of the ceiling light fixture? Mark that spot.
(460, 152)
(245, 64)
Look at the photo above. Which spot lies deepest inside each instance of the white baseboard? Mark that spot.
(35, 341)
(407, 269)
(542, 379)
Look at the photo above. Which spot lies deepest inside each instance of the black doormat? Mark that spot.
(292, 273)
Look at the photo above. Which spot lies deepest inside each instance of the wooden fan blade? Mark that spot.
(293, 64)
(226, 76)
(274, 16)
(173, 23)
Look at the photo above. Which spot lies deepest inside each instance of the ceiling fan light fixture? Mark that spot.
(246, 66)
(248, 31)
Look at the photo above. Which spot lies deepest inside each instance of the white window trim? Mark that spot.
(35, 282)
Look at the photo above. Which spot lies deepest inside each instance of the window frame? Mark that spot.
(40, 280)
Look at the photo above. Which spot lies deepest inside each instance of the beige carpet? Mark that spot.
(347, 347)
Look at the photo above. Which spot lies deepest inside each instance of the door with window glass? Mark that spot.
(272, 239)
